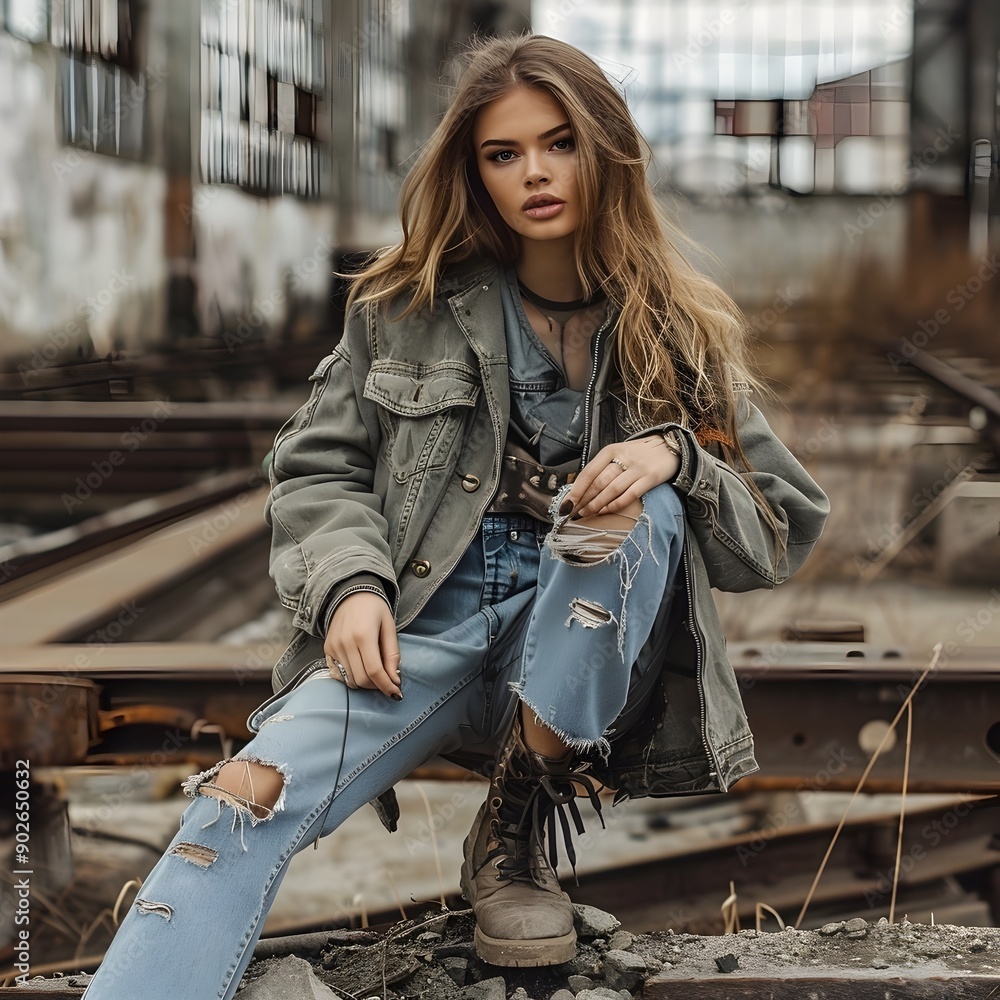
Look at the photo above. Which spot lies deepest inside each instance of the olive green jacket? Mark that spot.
(384, 473)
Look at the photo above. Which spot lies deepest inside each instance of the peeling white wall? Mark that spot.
(253, 254)
(81, 234)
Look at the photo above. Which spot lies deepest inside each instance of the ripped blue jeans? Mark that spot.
(567, 625)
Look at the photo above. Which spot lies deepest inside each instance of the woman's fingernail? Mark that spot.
(566, 507)
(397, 697)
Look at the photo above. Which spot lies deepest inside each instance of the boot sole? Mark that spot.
(526, 953)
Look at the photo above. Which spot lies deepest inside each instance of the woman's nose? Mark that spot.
(534, 172)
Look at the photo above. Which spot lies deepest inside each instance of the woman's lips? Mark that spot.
(545, 211)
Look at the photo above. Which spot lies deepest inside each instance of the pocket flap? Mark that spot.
(421, 391)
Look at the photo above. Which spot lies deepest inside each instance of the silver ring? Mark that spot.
(343, 670)
(619, 462)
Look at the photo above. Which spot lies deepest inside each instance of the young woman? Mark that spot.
(497, 520)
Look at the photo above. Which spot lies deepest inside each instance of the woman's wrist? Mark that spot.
(670, 440)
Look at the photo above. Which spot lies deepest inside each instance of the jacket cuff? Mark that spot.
(368, 582)
(698, 475)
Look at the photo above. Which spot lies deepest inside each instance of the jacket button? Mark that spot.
(470, 483)
(420, 567)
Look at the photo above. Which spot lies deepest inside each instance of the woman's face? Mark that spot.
(527, 159)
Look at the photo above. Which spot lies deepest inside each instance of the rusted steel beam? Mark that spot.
(816, 718)
(819, 710)
(199, 417)
(53, 724)
(31, 554)
(189, 661)
(870, 985)
(138, 695)
(776, 861)
(73, 603)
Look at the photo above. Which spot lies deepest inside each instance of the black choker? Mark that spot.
(543, 303)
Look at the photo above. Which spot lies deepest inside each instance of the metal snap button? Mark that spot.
(470, 483)
(420, 567)
(513, 535)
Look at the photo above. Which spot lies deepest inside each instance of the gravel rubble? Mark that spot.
(433, 956)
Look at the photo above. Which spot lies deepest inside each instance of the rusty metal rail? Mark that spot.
(816, 715)
(65, 548)
(88, 596)
(63, 460)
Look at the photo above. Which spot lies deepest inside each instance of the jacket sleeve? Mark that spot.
(323, 508)
(736, 541)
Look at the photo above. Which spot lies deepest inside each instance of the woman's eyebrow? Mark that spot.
(513, 142)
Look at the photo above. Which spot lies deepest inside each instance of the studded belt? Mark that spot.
(527, 486)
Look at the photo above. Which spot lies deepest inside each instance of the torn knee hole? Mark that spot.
(252, 785)
(580, 543)
(195, 854)
(589, 614)
(160, 909)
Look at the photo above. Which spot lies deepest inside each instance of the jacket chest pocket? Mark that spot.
(422, 411)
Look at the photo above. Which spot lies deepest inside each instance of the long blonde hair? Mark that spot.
(681, 341)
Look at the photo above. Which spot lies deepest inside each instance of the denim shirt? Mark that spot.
(547, 411)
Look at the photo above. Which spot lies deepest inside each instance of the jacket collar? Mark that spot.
(473, 292)
(461, 276)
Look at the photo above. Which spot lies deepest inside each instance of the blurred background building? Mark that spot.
(172, 172)
(177, 174)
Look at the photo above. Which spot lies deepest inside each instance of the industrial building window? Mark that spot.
(102, 88)
(851, 136)
(381, 60)
(735, 95)
(262, 78)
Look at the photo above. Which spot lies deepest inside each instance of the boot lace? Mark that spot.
(530, 809)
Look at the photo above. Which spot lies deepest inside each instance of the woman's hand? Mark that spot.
(362, 638)
(620, 473)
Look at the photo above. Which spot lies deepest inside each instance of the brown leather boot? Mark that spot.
(523, 917)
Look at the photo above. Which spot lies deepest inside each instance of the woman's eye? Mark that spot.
(568, 143)
(496, 156)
